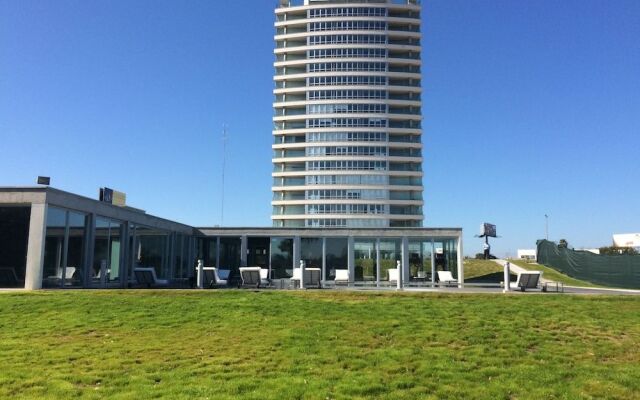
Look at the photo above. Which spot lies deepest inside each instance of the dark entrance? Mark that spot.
(14, 239)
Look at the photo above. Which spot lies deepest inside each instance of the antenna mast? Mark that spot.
(224, 159)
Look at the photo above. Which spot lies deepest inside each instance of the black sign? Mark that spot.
(488, 230)
(44, 180)
(106, 195)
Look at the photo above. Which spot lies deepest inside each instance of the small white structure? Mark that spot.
(626, 240)
(594, 251)
(527, 254)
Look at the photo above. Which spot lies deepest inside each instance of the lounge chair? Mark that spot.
(211, 278)
(342, 277)
(264, 277)
(147, 277)
(393, 274)
(250, 277)
(311, 277)
(445, 278)
(527, 280)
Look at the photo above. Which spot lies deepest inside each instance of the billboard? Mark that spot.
(113, 197)
(488, 229)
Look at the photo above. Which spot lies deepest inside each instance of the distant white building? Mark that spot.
(594, 251)
(626, 240)
(528, 254)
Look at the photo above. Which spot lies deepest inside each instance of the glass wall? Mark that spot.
(390, 254)
(53, 271)
(258, 252)
(64, 249)
(208, 251)
(14, 239)
(182, 266)
(365, 259)
(230, 248)
(419, 260)
(107, 252)
(281, 258)
(311, 252)
(336, 254)
(76, 248)
(152, 250)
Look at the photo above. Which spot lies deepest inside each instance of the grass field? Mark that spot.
(478, 269)
(552, 274)
(316, 345)
(229, 344)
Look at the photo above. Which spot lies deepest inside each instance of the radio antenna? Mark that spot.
(224, 159)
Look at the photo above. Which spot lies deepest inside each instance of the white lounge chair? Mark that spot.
(264, 277)
(527, 280)
(445, 278)
(146, 276)
(393, 274)
(311, 277)
(250, 276)
(211, 278)
(342, 277)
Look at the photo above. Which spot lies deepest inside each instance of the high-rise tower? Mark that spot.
(347, 123)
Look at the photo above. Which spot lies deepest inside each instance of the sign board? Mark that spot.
(113, 197)
(44, 180)
(488, 229)
(119, 199)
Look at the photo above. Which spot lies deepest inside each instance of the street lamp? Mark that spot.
(546, 227)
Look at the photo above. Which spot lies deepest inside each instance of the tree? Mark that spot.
(614, 251)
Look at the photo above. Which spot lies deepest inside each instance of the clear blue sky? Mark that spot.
(530, 108)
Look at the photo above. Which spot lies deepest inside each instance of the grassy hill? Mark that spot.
(229, 344)
(552, 274)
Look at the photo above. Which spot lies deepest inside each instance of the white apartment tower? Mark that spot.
(347, 131)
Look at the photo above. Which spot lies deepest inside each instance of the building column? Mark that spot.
(296, 251)
(433, 262)
(405, 259)
(324, 261)
(91, 238)
(460, 262)
(378, 261)
(351, 259)
(35, 249)
(244, 247)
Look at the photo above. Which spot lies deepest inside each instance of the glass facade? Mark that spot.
(65, 248)
(311, 252)
(93, 251)
(281, 258)
(107, 252)
(336, 75)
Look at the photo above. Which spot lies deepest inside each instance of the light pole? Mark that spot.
(546, 227)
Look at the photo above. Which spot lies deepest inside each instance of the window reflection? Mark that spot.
(365, 259)
(281, 258)
(107, 252)
(336, 250)
(64, 251)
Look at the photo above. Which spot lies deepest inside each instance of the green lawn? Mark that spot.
(552, 274)
(229, 344)
(477, 269)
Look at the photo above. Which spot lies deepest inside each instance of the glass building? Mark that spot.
(54, 239)
(347, 146)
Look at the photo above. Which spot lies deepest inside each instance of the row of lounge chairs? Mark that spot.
(259, 277)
